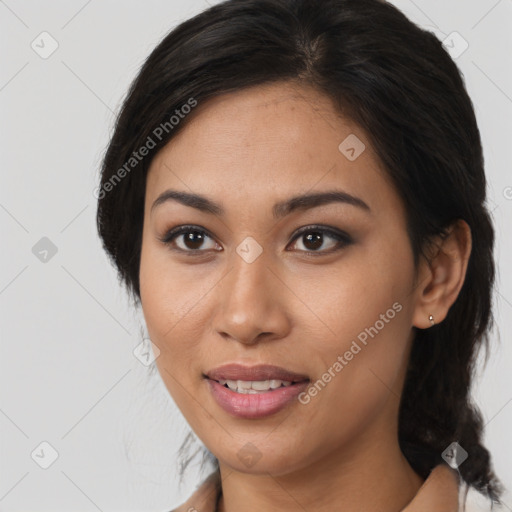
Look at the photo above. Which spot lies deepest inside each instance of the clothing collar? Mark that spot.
(439, 493)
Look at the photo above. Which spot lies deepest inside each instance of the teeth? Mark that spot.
(232, 385)
(255, 386)
(263, 385)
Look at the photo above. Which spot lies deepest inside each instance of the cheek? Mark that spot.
(361, 337)
(167, 304)
(168, 293)
(369, 292)
(163, 306)
(173, 304)
(358, 383)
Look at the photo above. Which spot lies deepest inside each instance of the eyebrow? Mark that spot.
(279, 210)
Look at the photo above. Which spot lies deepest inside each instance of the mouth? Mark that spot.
(255, 391)
(253, 387)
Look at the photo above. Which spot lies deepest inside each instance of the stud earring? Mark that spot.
(431, 319)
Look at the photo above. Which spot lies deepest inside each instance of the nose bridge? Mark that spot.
(248, 277)
(249, 302)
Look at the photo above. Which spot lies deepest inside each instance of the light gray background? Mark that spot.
(68, 374)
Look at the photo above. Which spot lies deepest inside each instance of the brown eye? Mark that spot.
(188, 239)
(321, 240)
(313, 240)
(193, 240)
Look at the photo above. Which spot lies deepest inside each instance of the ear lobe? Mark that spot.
(442, 276)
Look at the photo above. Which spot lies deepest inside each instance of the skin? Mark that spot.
(248, 150)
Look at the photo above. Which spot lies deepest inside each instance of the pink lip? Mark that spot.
(252, 406)
(258, 372)
(256, 405)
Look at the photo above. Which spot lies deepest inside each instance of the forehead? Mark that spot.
(270, 117)
(266, 138)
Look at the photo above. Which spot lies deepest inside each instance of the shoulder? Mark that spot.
(476, 501)
(205, 497)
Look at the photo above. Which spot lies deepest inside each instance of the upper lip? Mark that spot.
(254, 373)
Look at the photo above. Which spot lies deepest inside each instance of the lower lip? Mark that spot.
(256, 405)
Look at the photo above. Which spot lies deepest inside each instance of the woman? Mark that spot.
(294, 194)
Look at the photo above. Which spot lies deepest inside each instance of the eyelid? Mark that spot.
(334, 232)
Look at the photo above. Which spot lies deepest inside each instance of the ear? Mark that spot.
(441, 276)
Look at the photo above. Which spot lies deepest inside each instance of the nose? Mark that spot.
(251, 302)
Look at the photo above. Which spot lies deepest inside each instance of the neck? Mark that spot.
(373, 478)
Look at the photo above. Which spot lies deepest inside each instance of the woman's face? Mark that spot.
(333, 304)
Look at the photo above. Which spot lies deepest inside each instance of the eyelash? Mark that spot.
(341, 237)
